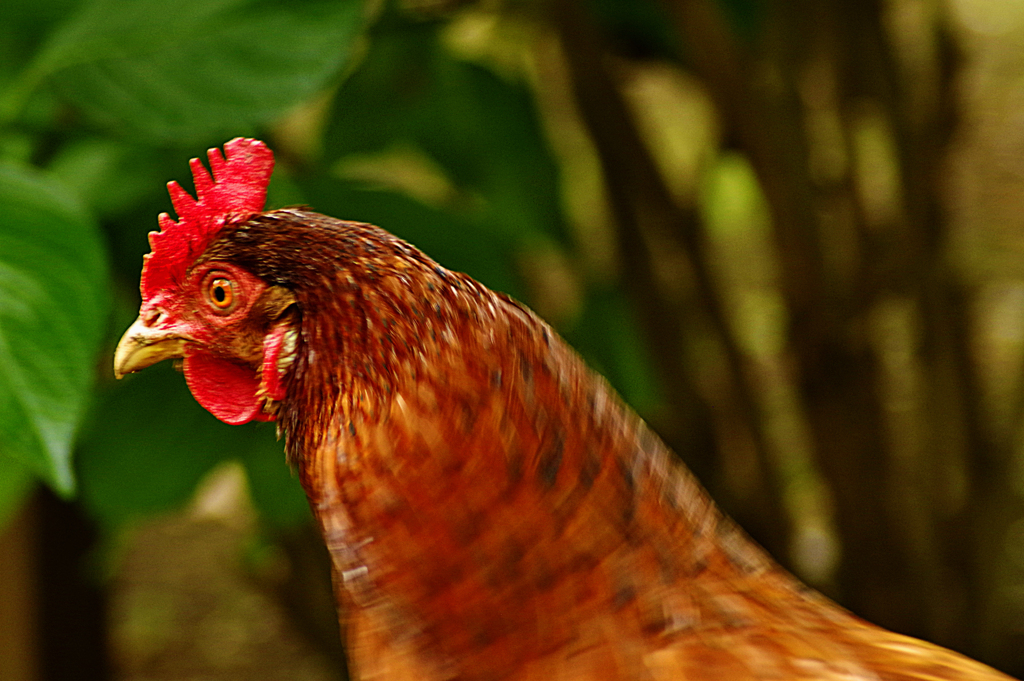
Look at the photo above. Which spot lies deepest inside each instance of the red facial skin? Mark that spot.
(210, 312)
(202, 311)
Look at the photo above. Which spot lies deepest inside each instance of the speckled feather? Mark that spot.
(494, 511)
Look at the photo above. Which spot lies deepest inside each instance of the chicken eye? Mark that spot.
(221, 293)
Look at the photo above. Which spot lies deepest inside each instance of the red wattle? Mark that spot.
(273, 346)
(226, 389)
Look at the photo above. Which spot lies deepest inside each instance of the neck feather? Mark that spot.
(463, 461)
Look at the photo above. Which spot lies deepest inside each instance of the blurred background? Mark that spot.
(790, 233)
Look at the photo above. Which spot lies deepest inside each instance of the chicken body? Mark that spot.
(495, 512)
(492, 509)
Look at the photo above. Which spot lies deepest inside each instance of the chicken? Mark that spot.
(491, 507)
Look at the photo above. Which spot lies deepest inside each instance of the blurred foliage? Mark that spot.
(54, 303)
(735, 209)
(97, 112)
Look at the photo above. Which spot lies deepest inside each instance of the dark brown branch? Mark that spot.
(643, 206)
(756, 89)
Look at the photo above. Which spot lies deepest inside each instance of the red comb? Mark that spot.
(237, 189)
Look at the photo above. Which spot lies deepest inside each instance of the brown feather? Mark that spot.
(494, 511)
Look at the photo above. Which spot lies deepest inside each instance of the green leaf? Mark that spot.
(24, 24)
(273, 485)
(389, 96)
(745, 16)
(492, 139)
(112, 176)
(607, 336)
(15, 482)
(637, 27)
(484, 131)
(191, 69)
(148, 443)
(53, 307)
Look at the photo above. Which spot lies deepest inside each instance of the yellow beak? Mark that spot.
(142, 346)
